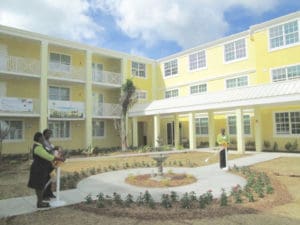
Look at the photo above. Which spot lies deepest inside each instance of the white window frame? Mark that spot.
(22, 132)
(104, 129)
(284, 36)
(235, 51)
(198, 92)
(59, 88)
(63, 67)
(275, 134)
(201, 134)
(236, 78)
(135, 72)
(139, 94)
(245, 135)
(172, 74)
(285, 68)
(172, 93)
(55, 122)
(198, 67)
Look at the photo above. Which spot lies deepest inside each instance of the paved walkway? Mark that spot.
(209, 178)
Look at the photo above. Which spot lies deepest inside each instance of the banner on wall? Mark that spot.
(16, 104)
(66, 110)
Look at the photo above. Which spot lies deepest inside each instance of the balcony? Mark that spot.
(64, 71)
(21, 65)
(66, 110)
(24, 107)
(107, 110)
(107, 78)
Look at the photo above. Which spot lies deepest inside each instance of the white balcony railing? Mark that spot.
(20, 65)
(13, 105)
(66, 110)
(107, 77)
(59, 70)
(107, 110)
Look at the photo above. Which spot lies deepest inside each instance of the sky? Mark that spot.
(149, 28)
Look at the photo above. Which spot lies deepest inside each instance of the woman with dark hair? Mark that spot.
(39, 170)
(50, 148)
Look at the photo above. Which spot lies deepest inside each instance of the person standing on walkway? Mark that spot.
(47, 194)
(39, 168)
(223, 141)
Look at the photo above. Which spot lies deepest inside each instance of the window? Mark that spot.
(235, 50)
(286, 73)
(232, 125)
(138, 69)
(60, 62)
(283, 35)
(170, 68)
(60, 129)
(98, 129)
(59, 93)
(171, 93)
(237, 82)
(16, 130)
(200, 88)
(287, 123)
(201, 126)
(197, 60)
(141, 95)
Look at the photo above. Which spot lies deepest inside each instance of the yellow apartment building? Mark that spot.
(248, 83)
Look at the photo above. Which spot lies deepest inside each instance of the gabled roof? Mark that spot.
(266, 94)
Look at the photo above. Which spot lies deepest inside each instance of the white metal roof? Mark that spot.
(266, 94)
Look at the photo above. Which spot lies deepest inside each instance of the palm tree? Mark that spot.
(4, 131)
(127, 100)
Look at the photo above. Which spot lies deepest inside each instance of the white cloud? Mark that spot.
(58, 18)
(187, 22)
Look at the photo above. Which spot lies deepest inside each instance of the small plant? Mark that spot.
(174, 196)
(128, 200)
(202, 201)
(88, 199)
(100, 200)
(236, 193)
(185, 201)
(288, 146)
(147, 197)
(249, 196)
(267, 144)
(92, 171)
(269, 189)
(193, 196)
(117, 199)
(275, 147)
(140, 199)
(224, 198)
(208, 197)
(166, 201)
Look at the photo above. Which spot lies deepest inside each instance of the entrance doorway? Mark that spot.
(142, 133)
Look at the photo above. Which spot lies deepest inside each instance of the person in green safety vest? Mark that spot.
(223, 140)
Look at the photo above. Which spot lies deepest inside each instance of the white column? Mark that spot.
(44, 86)
(192, 131)
(176, 132)
(156, 130)
(240, 131)
(134, 132)
(88, 100)
(211, 130)
(258, 130)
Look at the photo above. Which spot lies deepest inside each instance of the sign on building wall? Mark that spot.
(66, 109)
(8, 104)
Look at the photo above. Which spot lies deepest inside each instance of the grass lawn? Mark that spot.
(284, 211)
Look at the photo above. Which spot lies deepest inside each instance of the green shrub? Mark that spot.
(100, 200)
(88, 199)
(186, 201)
(224, 198)
(166, 201)
(174, 196)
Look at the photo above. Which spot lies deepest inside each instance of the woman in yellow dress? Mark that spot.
(223, 141)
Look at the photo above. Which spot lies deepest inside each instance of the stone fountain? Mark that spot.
(159, 163)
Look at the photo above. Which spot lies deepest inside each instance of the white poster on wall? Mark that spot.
(66, 109)
(9, 104)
